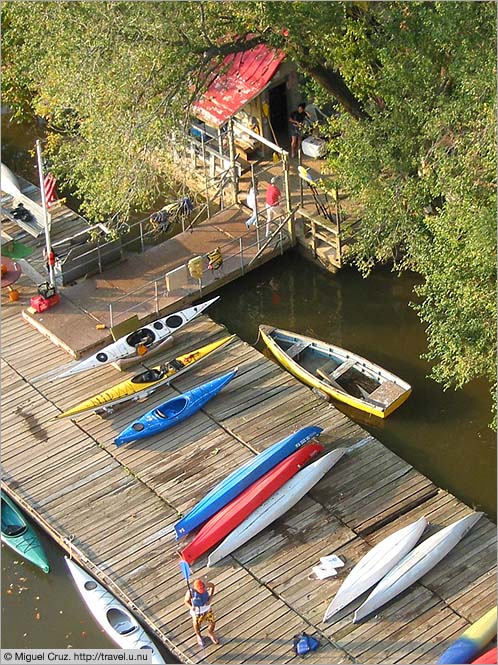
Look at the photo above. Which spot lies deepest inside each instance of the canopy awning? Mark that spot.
(244, 75)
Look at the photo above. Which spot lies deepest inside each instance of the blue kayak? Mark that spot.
(242, 478)
(173, 411)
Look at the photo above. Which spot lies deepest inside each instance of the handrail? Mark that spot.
(287, 217)
(226, 257)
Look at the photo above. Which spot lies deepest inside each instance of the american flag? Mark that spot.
(49, 187)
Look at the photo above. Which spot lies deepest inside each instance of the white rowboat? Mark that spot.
(416, 564)
(115, 619)
(375, 564)
(144, 338)
(278, 504)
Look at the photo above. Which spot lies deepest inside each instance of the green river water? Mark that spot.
(445, 435)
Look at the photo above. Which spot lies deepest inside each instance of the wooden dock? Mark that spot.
(114, 508)
(153, 283)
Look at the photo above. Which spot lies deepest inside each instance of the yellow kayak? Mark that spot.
(146, 382)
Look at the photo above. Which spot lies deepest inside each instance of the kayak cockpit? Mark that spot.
(172, 408)
(142, 336)
(12, 530)
(120, 621)
(149, 376)
(12, 525)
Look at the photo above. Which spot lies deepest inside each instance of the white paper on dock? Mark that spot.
(332, 560)
(322, 572)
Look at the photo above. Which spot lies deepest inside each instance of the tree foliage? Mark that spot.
(414, 145)
(423, 168)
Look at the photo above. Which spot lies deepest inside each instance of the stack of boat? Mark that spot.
(255, 495)
(395, 564)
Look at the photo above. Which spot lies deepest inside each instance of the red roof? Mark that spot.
(244, 75)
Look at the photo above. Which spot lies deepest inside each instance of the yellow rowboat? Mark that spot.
(336, 372)
(143, 384)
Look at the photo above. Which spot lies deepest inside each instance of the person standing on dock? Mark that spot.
(297, 121)
(198, 600)
(251, 200)
(273, 196)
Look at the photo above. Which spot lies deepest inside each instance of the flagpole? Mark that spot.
(48, 245)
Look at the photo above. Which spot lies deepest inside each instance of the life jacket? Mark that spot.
(215, 259)
(200, 602)
(303, 643)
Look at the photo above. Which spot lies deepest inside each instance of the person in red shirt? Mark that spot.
(273, 196)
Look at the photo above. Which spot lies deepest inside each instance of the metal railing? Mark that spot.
(235, 258)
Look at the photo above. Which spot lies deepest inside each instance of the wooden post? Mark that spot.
(233, 168)
(313, 237)
(241, 251)
(205, 176)
(338, 220)
(290, 226)
(301, 188)
(142, 243)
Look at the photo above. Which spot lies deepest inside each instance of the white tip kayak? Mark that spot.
(416, 564)
(115, 619)
(278, 504)
(147, 337)
(375, 564)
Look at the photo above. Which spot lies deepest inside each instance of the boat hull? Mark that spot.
(116, 620)
(229, 517)
(472, 641)
(241, 478)
(416, 564)
(375, 564)
(173, 411)
(380, 403)
(135, 388)
(277, 505)
(487, 658)
(25, 542)
(146, 337)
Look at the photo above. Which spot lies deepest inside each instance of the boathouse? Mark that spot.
(257, 87)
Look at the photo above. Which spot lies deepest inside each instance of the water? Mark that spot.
(445, 435)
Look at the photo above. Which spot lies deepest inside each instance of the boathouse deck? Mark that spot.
(114, 508)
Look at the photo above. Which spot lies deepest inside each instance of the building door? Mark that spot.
(277, 98)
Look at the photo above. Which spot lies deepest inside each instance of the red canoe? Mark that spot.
(487, 658)
(225, 520)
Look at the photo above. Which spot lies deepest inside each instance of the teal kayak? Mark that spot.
(20, 536)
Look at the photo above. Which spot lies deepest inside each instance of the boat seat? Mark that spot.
(326, 377)
(343, 368)
(297, 348)
(387, 392)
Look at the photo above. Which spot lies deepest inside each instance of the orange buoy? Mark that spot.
(13, 295)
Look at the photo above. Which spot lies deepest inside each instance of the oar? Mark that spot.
(266, 112)
(184, 567)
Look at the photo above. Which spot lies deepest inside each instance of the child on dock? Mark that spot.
(198, 601)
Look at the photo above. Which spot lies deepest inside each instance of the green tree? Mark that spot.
(422, 170)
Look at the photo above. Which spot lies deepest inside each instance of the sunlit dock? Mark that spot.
(114, 508)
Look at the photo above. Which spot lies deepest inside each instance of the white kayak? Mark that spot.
(115, 619)
(139, 341)
(278, 504)
(416, 564)
(375, 564)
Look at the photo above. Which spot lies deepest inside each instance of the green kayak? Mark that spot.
(20, 536)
